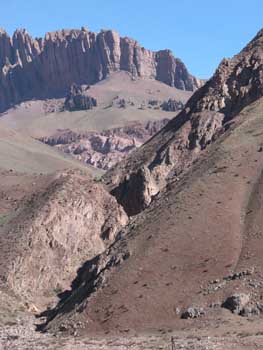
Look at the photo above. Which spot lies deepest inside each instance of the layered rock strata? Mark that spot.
(47, 67)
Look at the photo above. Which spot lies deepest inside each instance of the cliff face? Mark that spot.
(39, 68)
(236, 83)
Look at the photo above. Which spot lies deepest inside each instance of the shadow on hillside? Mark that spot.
(81, 288)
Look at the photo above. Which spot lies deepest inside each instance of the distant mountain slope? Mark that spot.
(46, 67)
(122, 102)
(23, 154)
(44, 118)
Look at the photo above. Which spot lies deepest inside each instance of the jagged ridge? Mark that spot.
(236, 83)
(46, 67)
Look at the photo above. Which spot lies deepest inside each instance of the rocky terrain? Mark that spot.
(121, 99)
(58, 227)
(103, 122)
(107, 148)
(201, 176)
(41, 68)
(165, 250)
(78, 100)
(209, 112)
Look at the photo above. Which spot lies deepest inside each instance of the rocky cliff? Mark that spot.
(236, 83)
(78, 100)
(46, 67)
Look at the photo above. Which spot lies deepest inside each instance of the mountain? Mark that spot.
(193, 253)
(210, 111)
(162, 251)
(42, 118)
(122, 102)
(46, 67)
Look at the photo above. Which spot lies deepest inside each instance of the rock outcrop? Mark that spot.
(237, 302)
(47, 67)
(172, 106)
(236, 83)
(55, 231)
(105, 149)
(78, 99)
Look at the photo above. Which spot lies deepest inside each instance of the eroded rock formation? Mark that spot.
(105, 149)
(172, 105)
(78, 99)
(70, 220)
(47, 67)
(236, 83)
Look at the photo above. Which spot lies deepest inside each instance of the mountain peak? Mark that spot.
(20, 31)
(2, 31)
(49, 66)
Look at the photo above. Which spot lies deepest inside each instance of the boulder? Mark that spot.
(236, 302)
(172, 105)
(193, 312)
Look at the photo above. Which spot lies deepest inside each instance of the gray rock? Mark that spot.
(236, 302)
(239, 275)
(78, 100)
(172, 105)
(193, 312)
(250, 311)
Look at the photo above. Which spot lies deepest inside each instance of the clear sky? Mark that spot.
(200, 32)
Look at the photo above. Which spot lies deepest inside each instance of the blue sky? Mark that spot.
(200, 32)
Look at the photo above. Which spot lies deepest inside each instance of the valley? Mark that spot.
(130, 212)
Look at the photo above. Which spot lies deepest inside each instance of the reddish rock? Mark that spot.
(104, 149)
(41, 68)
(236, 83)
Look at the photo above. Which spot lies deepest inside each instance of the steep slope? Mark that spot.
(236, 83)
(200, 240)
(179, 251)
(41, 68)
(50, 225)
